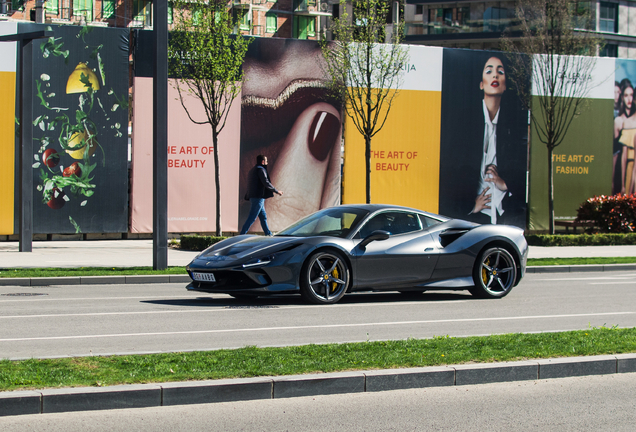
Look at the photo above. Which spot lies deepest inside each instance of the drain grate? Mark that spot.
(22, 294)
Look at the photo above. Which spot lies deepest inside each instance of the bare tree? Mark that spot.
(206, 59)
(364, 72)
(558, 47)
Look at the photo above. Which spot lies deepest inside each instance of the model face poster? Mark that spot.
(80, 130)
(484, 140)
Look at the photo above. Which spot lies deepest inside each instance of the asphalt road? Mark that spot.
(115, 319)
(567, 404)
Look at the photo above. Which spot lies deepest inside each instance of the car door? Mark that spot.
(407, 258)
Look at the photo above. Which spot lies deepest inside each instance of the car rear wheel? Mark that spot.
(324, 278)
(494, 273)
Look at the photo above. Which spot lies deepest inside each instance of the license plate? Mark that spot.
(203, 277)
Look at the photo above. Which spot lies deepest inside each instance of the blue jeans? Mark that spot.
(257, 209)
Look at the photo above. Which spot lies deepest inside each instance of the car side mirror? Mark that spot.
(378, 235)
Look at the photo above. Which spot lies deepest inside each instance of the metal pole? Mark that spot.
(160, 137)
(26, 147)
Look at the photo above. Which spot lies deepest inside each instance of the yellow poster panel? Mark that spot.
(7, 149)
(404, 155)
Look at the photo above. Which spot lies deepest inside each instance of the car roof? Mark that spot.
(372, 208)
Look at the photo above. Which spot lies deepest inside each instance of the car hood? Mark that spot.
(249, 246)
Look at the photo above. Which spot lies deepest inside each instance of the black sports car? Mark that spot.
(365, 247)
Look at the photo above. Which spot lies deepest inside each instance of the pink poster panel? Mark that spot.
(191, 191)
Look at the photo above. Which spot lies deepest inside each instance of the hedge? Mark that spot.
(581, 239)
(197, 242)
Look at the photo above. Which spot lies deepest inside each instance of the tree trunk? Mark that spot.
(217, 181)
(551, 190)
(367, 156)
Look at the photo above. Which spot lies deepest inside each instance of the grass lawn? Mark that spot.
(119, 271)
(254, 362)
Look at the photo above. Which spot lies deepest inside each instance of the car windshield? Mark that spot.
(334, 222)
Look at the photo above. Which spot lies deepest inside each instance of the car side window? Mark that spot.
(392, 222)
(428, 222)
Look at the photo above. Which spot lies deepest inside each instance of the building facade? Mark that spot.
(479, 24)
(298, 19)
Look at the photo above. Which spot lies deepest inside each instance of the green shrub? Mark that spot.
(611, 214)
(198, 242)
(581, 239)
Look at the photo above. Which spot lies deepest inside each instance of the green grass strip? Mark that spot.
(87, 271)
(580, 261)
(121, 271)
(254, 362)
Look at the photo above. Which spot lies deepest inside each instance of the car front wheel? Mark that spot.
(324, 278)
(494, 273)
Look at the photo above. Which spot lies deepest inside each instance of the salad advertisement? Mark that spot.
(80, 130)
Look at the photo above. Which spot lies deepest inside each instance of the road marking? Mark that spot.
(263, 329)
(631, 282)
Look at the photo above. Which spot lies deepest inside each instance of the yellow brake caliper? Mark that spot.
(484, 273)
(334, 285)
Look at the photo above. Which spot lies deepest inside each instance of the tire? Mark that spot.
(324, 278)
(494, 274)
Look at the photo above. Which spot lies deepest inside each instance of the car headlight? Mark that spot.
(261, 261)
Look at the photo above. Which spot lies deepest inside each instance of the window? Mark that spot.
(584, 15)
(428, 221)
(608, 21)
(609, 50)
(448, 20)
(392, 222)
(305, 27)
(52, 6)
(142, 12)
(83, 8)
(271, 22)
(108, 9)
(495, 19)
(241, 17)
(419, 9)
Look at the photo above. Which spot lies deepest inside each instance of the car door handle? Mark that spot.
(428, 249)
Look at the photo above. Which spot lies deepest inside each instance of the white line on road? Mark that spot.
(631, 282)
(312, 327)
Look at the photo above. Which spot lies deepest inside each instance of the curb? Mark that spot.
(95, 280)
(233, 390)
(148, 279)
(580, 268)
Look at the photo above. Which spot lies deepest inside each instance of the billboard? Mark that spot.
(7, 129)
(484, 140)
(191, 192)
(583, 162)
(405, 153)
(287, 115)
(80, 112)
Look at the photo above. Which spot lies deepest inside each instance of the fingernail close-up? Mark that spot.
(324, 130)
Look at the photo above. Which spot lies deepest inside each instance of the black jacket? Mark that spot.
(258, 184)
(461, 163)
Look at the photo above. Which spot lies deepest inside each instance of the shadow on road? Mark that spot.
(275, 300)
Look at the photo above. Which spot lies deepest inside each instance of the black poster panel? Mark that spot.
(484, 140)
(80, 161)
